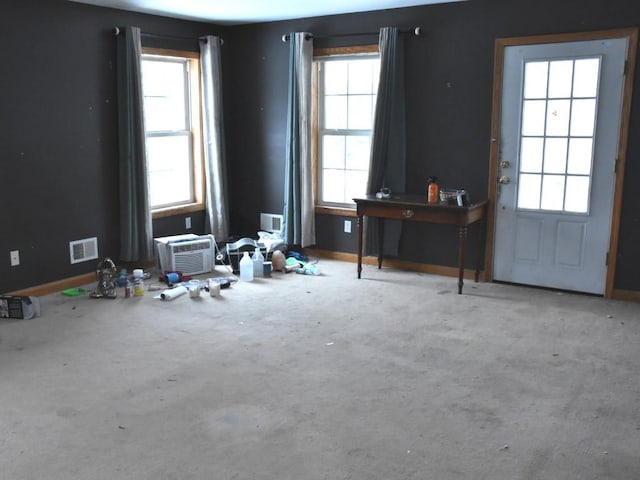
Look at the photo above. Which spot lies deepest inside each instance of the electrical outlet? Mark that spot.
(187, 223)
(15, 257)
(347, 226)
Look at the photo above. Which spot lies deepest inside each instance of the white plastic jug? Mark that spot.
(246, 268)
(258, 261)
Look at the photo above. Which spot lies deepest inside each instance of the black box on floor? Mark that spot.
(16, 306)
(236, 250)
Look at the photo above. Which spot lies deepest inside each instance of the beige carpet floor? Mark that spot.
(393, 376)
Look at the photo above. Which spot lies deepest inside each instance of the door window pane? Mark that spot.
(577, 194)
(533, 117)
(529, 191)
(583, 118)
(555, 155)
(531, 154)
(558, 117)
(552, 192)
(585, 81)
(560, 79)
(535, 79)
(580, 156)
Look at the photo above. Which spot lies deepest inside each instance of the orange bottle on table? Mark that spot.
(432, 190)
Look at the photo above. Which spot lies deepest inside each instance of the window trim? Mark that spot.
(319, 53)
(196, 133)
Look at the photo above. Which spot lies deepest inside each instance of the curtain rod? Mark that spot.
(116, 31)
(417, 31)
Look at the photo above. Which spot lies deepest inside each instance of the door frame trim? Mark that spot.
(631, 34)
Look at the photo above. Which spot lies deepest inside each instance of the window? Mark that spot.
(345, 97)
(170, 85)
(558, 128)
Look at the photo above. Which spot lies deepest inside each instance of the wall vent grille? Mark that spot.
(83, 250)
(270, 222)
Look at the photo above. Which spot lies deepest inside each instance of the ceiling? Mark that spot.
(233, 12)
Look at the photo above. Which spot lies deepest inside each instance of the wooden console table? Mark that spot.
(416, 208)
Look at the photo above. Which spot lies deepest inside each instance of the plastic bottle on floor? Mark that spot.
(138, 288)
(258, 261)
(246, 268)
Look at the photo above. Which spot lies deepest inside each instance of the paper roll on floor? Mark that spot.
(172, 293)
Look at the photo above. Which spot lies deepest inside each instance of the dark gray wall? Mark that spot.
(58, 130)
(449, 80)
(58, 133)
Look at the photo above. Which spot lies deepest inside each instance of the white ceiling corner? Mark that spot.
(234, 12)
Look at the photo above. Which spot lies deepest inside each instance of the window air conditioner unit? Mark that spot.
(189, 254)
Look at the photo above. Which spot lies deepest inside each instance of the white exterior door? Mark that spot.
(560, 122)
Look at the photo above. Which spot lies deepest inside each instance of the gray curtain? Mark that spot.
(388, 145)
(216, 196)
(136, 231)
(299, 214)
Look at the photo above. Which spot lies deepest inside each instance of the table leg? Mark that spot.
(360, 228)
(480, 245)
(461, 247)
(380, 241)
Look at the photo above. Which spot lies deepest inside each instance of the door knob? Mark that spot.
(505, 164)
(504, 180)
